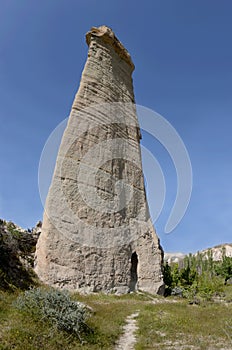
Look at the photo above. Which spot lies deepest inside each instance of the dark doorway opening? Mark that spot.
(133, 272)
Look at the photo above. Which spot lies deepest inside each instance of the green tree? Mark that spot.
(167, 277)
(224, 268)
(175, 274)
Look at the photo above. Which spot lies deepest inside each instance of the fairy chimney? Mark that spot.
(97, 234)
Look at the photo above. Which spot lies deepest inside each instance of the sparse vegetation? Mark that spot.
(16, 257)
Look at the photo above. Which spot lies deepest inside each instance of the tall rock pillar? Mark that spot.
(96, 233)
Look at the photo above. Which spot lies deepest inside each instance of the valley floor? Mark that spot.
(160, 323)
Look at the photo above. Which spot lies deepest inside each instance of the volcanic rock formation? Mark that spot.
(96, 233)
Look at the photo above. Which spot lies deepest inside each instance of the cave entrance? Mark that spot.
(133, 272)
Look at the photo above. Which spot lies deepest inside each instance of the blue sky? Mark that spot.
(183, 57)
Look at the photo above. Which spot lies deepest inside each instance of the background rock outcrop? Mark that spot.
(215, 252)
(97, 234)
(17, 249)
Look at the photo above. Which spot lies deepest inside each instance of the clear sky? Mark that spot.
(182, 52)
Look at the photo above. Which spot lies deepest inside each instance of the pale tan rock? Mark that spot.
(96, 233)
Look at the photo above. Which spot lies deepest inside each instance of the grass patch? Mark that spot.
(22, 330)
(163, 324)
(183, 326)
(228, 294)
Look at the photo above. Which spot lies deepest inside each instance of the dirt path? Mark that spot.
(128, 339)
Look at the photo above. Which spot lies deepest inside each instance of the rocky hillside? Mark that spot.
(17, 247)
(219, 250)
(217, 253)
(174, 257)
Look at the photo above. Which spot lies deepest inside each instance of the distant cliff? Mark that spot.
(216, 251)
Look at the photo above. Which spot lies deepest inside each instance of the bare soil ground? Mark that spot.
(128, 339)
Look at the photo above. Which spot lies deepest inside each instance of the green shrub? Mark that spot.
(210, 286)
(190, 293)
(57, 308)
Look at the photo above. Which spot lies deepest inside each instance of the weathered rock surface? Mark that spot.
(96, 233)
